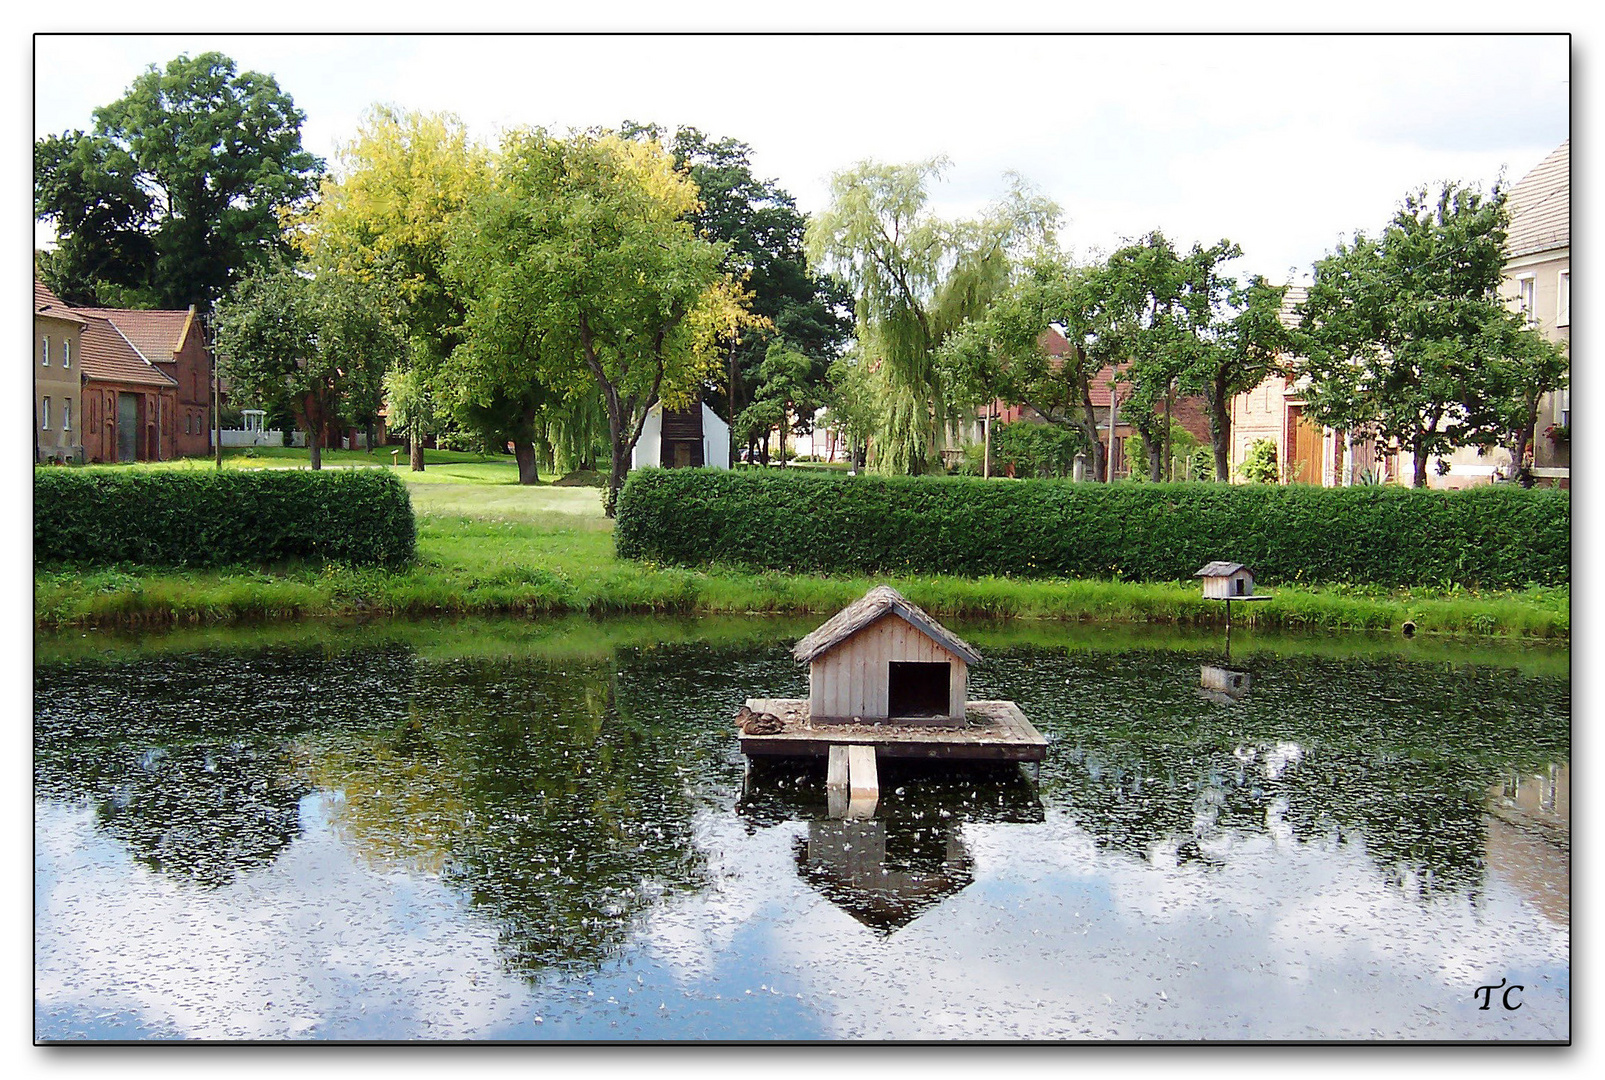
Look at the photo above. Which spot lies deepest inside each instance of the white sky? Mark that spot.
(1282, 143)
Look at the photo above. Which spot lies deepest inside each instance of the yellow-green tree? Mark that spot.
(581, 272)
(388, 209)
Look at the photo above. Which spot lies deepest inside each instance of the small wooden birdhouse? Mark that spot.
(882, 658)
(1226, 581)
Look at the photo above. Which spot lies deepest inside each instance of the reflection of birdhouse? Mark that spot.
(1226, 581)
(884, 875)
(1218, 683)
(882, 658)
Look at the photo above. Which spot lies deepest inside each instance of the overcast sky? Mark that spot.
(1281, 143)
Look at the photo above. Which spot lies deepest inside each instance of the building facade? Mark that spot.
(57, 368)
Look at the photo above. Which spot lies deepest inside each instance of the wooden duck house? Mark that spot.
(882, 659)
(1226, 581)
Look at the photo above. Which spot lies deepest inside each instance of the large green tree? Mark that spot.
(1404, 335)
(916, 278)
(177, 191)
(581, 272)
(311, 337)
(763, 233)
(1004, 354)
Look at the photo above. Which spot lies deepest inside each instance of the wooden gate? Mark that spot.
(1304, 448)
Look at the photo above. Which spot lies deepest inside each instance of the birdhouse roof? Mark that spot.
(879, 601)
(1219, 568)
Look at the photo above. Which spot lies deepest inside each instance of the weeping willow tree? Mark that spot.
(916, 278)
(577, 432)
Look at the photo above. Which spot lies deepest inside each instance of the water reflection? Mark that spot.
(887, 870)
(582, 817)
(1221, 684)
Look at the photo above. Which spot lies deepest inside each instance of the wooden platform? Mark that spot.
(993, 731)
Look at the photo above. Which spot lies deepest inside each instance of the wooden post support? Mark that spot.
(837, 790)
(863, 780)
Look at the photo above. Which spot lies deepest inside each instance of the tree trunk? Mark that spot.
(315, 433)
(524, 454)
(1156, 457)
(1220, 437)
(1419, 472)
(369, 435)
(782, 438)
(618, 470)
(415, 449)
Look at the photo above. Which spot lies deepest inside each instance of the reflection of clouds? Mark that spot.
(264, 957)
(1057, 938)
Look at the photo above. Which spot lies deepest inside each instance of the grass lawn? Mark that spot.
(486, 545)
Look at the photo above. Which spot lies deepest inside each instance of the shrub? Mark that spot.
(1259, 463)
(1489, 537)
(110, 516)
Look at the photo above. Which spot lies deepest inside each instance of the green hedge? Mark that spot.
(1489, 537)
(101, 517)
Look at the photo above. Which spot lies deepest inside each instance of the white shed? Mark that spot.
(682, 438)
(882, 658)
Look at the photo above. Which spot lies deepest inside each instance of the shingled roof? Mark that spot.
(108, 356)
(49, 305)
(880, 601)
(1218, 568)
(155, 335)
(1540, 206)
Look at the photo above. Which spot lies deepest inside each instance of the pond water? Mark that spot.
(481, 830)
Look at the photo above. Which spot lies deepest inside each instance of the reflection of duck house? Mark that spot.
(883, 877)
(1223, 684)
(887, 680)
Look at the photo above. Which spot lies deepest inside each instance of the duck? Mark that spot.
(757, 723)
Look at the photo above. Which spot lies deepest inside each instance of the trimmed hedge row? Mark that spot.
(100, 517)
(1489, 537)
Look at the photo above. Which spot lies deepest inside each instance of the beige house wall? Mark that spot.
(58, 381)
(1551, 462)
(851, 679)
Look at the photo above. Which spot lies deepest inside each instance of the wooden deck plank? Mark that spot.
(995, 731)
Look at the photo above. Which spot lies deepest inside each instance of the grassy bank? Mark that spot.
(487, 546)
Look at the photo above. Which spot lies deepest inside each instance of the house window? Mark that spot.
(66, 352)
(1527, 298)
(1563, 299)
(66, 414)
(44, 351)
(44, 414)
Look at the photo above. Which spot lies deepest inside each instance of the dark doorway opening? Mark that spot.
(127, 427)
(918, 689)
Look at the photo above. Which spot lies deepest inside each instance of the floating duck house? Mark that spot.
(883, 659)
(887, 680)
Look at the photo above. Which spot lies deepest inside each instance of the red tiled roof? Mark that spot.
(156, 335)
(49, 305)
(107, 355)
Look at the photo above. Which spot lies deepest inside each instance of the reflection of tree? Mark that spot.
(1399, 754)
(187, 759)
(205, 814)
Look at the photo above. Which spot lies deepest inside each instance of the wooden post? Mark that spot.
(863, 781)
(1228, 628)
(217, 416)
(837, 790)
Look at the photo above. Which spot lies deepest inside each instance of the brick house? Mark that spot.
(174, 344)
(58, 358)
(1188, 411)
(129, 404)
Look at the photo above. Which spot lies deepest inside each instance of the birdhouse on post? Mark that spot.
(1226, 581)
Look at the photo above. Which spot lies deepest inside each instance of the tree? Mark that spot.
(402, 181)
(852, 403)
(915, 279)
(1003, 356)
(178, 191)
(581, 271)
(763, 232)
(785, 390)
(315, 338)
(1405, 336)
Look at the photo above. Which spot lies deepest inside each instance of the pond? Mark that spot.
(544, 830)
